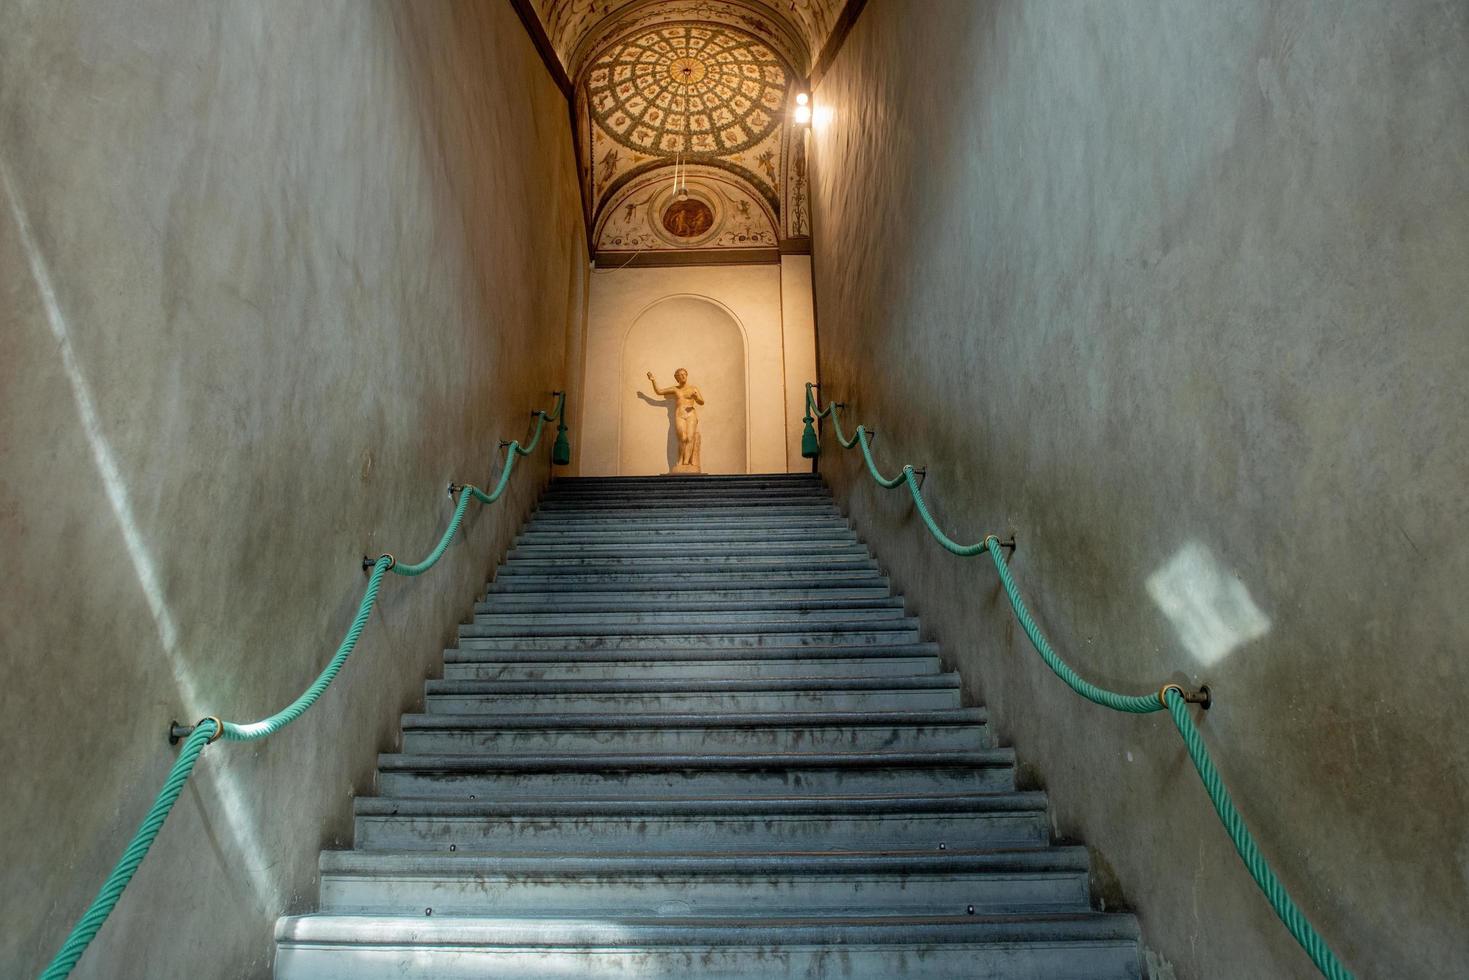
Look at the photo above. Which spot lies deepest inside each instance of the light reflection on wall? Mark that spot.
(232, 799)
(1209, 607)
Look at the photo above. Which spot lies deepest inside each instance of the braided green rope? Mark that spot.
(836, 423)
(950, 545)
(1244, 843)
(811, 409)
(512, 452)
(864, 440)
(101, 907)
(205, 732)
(269, 726)
(1136, 703)
(444, 541)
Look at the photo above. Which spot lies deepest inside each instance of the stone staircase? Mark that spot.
(690, 732)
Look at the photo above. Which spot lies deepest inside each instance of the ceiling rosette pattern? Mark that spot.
(687, 89)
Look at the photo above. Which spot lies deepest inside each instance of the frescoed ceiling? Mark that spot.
(687, 88)
(572, 24)
(669, 90)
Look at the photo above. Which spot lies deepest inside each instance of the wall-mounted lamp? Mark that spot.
(803, 109)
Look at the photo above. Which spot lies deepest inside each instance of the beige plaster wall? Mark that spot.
(271, 275)
(754, 297)
(1176, 291)
(798, 321)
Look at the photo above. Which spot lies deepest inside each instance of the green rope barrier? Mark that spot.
(1244, 843)
(211, 729)
(96, 914)
(1134, 703)
(1285, 907)
(836, 423)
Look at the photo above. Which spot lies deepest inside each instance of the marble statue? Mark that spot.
(685, 419)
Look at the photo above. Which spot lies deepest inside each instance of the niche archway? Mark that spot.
(699, 334)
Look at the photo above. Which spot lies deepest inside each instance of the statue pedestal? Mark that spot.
(685, 469)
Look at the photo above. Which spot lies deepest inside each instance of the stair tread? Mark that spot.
(612, 761)
(695, 685)
(477, 655)
(619, 930)
(1048, 859)
(623, 719)
(731, 806)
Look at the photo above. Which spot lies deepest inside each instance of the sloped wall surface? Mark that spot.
(271, 275)
(1176, 292)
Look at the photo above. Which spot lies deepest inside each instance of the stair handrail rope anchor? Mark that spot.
(177, 733)
(1203, 697)
(369, 563)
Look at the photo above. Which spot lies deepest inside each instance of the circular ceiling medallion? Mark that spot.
(688, 218)
(688, 89)
(687, 71)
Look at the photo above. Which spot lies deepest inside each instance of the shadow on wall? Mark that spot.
(670, 406)
(701, 335)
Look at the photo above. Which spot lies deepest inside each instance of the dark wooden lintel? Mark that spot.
(839, 31)
(613, 260)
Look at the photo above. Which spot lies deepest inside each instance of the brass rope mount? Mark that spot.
(1007, 543)
(369, 562)
(1203, 697)
(177, 732)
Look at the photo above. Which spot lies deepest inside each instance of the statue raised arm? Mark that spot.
(660, 392)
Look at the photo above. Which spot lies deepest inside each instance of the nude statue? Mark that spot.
(685, 419)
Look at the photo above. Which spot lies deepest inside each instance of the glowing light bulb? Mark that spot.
(803, 114)
(802, 99)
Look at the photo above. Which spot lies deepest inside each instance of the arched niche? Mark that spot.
(699, 334)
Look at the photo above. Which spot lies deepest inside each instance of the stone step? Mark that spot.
(651, 624)
(709, 636)
(1059, 946)
(703, 564)
(643, 523)
(717, 685)
(474, 655)
(689, 601)
(753, 885)
(687, 552)
(786, 516)
(793, 536)
(889, 697)
(599, 775)
(953, 730)
(727, 581)
(692, 497)
(693, 669)
(612, 505)
(805, 822)
(748, 613)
